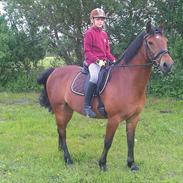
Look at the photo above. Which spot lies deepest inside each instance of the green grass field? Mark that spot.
(29, 154)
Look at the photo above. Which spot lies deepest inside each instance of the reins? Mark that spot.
(135, 65)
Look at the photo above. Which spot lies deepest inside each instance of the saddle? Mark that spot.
(81, 80)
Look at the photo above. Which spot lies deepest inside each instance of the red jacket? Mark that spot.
(96, 46)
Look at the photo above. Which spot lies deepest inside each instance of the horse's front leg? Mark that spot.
(130, 132)
(110, 131)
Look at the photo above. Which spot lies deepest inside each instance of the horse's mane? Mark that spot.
(132, 49)
(135, 45)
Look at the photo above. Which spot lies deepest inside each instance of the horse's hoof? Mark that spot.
(103, 168)
(68, 162)
(134, 168)
(102, 165)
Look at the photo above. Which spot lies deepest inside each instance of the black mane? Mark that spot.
(132, 49)
(135, 45)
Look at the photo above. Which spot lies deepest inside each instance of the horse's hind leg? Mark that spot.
(63, 114)
(130, 132)
(60, 145)
(110, 131)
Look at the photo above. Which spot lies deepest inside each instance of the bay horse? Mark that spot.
(123, 98)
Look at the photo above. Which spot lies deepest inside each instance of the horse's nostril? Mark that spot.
(165, 65)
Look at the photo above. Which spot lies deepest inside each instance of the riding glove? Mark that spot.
(101, 63)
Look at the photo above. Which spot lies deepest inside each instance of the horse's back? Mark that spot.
(64, 72)
(58, 84)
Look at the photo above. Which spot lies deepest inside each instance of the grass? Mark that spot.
(28, 145)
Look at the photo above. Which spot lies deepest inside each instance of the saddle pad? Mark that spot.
(79, 83)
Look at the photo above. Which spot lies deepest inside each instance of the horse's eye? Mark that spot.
(150, 42)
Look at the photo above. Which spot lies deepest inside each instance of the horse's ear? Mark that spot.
(148, 26)
(161, 29)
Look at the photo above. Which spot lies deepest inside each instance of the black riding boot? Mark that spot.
(88, 98)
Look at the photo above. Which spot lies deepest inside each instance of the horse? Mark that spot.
(124, 96)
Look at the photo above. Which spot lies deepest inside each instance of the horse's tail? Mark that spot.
(41, 79)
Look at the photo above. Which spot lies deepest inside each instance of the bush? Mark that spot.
(23, 82)
(167, 85)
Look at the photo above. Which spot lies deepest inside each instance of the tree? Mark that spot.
(17, 52)
(64, 22)
(61, 27)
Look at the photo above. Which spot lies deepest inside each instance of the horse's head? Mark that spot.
(156, 48)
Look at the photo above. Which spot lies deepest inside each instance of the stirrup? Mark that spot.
(88, 112)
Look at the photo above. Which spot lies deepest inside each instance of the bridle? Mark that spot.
(153, 59)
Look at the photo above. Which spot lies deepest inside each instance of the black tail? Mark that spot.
(41, 79)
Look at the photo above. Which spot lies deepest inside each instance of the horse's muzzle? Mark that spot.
(166, 66)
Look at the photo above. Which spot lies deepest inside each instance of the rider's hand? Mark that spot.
(113, 62)
(101, 63)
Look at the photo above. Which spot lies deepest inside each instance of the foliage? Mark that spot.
(25, 81)
(28, 143)
(63, 23)
(169, 14)
(167, 85)
(50, 62)
(18, 53)
(62, 28)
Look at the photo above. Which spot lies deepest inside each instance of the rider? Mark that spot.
(96, 52)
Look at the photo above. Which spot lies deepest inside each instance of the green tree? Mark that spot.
(170, 13)
(18, 52)
(64, 22)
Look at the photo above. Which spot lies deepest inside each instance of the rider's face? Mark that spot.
(99, 22)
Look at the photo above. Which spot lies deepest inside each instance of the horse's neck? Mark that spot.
(138, 75)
